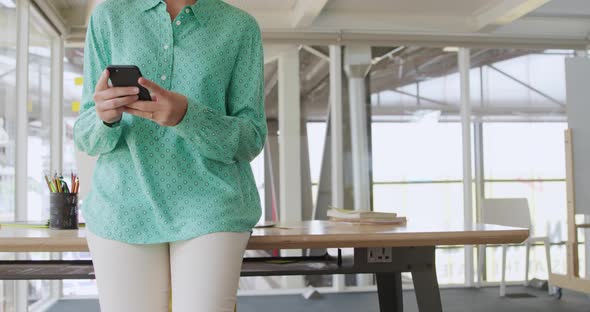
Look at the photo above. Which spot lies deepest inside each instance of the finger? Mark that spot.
(139, 113)
(113, 115)
(102, 83)
(150, 85)
(117, 102)
(116, 92)
(146, 106)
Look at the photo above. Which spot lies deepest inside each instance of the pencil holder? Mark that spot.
(63, 211)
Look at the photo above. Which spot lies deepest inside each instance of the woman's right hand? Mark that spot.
(110, 101)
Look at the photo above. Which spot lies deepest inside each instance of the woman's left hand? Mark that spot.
(166, 108)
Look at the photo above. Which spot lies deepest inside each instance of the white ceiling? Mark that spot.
(565, 8)
(410, 7)
(540, 20)
(557, 18)
(264, 5)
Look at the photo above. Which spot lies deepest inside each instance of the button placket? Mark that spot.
(168, 53)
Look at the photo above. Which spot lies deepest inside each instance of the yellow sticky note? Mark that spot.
(75, 106)
(78, 81)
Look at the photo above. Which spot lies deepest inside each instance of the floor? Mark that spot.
(454, 300)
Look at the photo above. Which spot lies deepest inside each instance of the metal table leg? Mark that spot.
(389, 290)
(427, 292)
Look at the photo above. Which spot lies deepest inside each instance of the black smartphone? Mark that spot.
(126, 76)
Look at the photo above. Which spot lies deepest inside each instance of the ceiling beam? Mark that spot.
(305, 12)
(502, 12)
(316, 37)
(52, 15)
(501, 40)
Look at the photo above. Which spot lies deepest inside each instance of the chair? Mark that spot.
(511, 212)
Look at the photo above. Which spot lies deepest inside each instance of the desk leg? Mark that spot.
(389, 290)
(427, 292)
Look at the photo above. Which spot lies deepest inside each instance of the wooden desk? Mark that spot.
(412, 249)
(310, 234)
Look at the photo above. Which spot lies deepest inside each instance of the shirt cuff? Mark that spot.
(107, 133)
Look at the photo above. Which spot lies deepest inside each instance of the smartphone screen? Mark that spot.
(126, 76)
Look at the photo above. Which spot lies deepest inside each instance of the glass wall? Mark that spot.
(7, 110)
(38, 142)
(528, 160)
(38, 150)
(72, 93)
(7, 127)
(416, 143)
(38, 107)
(520, 96)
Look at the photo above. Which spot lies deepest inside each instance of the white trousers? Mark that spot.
(202, 272)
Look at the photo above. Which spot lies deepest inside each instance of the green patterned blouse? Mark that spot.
(155, 183)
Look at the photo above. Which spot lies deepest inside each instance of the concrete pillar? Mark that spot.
(336, 126)
(271, 172)
(357, 62)
(290, 202)
(463, 58)
(289, 136)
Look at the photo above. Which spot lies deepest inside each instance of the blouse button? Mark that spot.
(177, 23)
(186, 10)
(163, 77)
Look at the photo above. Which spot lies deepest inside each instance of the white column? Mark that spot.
(479, 184)
(289, 136)
(56, 106)
(289, 148)
(463, 61)
(22, 124)
(336, 125)
(357, 61)
(22, 90)
(56, 129)
(338, 280)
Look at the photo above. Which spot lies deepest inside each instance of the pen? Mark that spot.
(49, 184)
(58, 185)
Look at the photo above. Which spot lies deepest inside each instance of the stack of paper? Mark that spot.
(359, 216)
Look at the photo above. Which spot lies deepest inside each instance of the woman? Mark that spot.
(173, 199)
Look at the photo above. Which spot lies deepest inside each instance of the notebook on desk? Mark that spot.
(364, 217)
(30, 224)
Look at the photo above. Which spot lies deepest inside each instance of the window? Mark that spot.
(411, 160)
(38, 107)
(528, 160)
(417, 144)
(7, 115)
